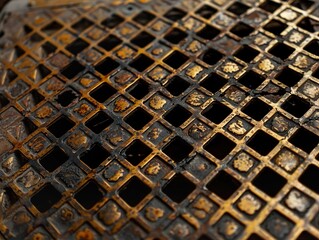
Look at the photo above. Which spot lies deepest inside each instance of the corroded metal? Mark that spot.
(159, 119)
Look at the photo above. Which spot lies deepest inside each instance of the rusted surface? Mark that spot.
(158, 119)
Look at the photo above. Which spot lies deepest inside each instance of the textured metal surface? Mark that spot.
(189, 119)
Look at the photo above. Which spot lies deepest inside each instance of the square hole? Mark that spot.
(246, 53)
(77, 46)
(134, 191)
(54, 159)
(223, 185)
(176, 59)
(48, 48)
(308, 176)
(141, 63)
(219, 146)
(281, 51)
(251, 79)
(213, 82)
(83, 24)
(238, 8)
(289, 77)
(94, 156)
(206, 11)
(89, 195)
(175, 36)
(316, 73)
(303, 5)
(3, 101)
(216, 112)
(276, 27)
(175, 14)
(46, 197)
(178, 188)
(72, 70)
(138, 118)
(208, 32)
(262, 142)
(106, 66)
(269, 181)
(67, 97)
(136, 152)
(177, 116)
(296, 106)
(306, 236)
(110, 42)
(103, 92)
(140, 89)
(177, 85)
(52, 28)
(142, 39)
(254, 236)
(304, 139)
(242, 30)
(313, 47)
(112, 21)
(61, 126)
(143, 18)
(308, 24)
(99, 122)
(256, 109)
(211, 56)
(177, 149)
(270, 6)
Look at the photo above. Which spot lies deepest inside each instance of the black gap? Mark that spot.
(262, 142)
(289, 77)
(142, 39)
(52, 28)
(19, 51)
(10, 197)
(178, 188)
(211, 56)
(306, 236)
(254, 236)
(269, 181)
(176, 59)
(175, 14)
(66, 98)
(89, 195)
(281, 51)
(270, 6)
(316, 73)
(309, 178)
(61, 126)
(213, 82)
(3, 101)
(73, 69)
(43, 71)
(83, 24)
(309, 24)
(177, 116)
(223, 185)
(140, 89)
(27, 29)
(296, 106)
(36, 38)
(138, 118)
(99, 122)
(313, 47)
(302, 4)
(94, 156)
(103, 92)
(141, 63)
(136, 152)
(112, 21)
(206, 11)
(134, 191)
(246, 53)
(276, 27)
(44, 199)
(304, 139)
(219, 146)
(54, 159)
(77, 46)
(11, 75)
(208, 32)
(106, 66)
(242, 30)
(143, 18)
(238, 8)
(36, 97)
(177, 149)
(204, 237)
(256, 109)
(48, 48)
(251, 79)
(175, 36)
(29, 126)
(216, 112)
(177, 85)
(110, 42)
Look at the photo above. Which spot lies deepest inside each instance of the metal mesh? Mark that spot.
(160, 120)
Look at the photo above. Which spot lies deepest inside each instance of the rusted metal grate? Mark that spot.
(159, 119)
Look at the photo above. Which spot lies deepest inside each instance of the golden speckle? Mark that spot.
(83, 109)
(249, 204)
(296, 200)
(121, 105)
(237, 127)
(153, 169)
(243, 162)
(288, 14)
(230, 67)
(287, 160)
(195, 99)
(44, 112)
(301, 61)
(266, 65)
(77, 140)
(194, 71)
(194, 46)
(110, 215)
(153, 214)
(157, 102)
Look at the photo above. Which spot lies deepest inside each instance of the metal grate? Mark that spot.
(159, 119)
